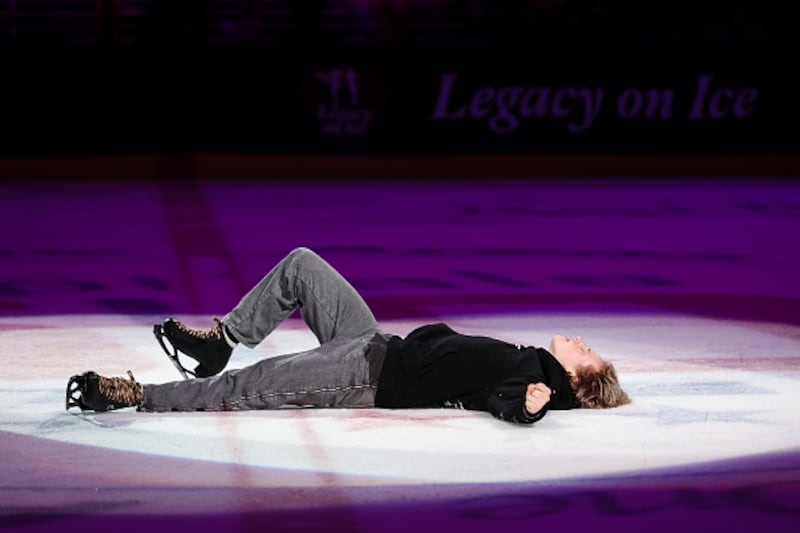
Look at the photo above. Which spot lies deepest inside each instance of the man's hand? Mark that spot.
(537, 397)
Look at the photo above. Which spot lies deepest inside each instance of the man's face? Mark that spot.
(573, 353)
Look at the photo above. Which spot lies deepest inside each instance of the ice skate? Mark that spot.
(210, 348)
(92, 392)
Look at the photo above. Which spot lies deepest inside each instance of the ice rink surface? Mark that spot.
(688, 285)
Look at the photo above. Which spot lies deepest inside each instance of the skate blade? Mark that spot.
(73, 393)
(163, 340)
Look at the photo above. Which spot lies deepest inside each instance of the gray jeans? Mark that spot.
(342, 372)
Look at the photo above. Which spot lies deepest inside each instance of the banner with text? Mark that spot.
(399, 101)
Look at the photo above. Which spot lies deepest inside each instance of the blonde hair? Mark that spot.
(598, 389)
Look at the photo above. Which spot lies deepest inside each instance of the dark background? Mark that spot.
(252, 78)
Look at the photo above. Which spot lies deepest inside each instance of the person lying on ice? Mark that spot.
(356, 365)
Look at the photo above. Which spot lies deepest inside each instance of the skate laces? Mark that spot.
(215, 332)
(120, 390)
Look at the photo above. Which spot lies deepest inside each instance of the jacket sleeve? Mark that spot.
(507, 402)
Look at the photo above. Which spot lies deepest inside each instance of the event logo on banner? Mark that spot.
(344, 100)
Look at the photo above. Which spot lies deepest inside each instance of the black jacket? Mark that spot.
(436, 367)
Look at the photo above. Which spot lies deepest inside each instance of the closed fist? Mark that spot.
(537, 397)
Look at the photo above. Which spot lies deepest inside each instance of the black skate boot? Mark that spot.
(92, 392)
(210, 348)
